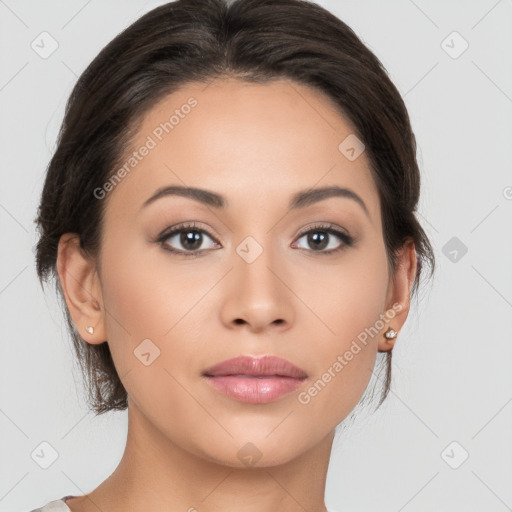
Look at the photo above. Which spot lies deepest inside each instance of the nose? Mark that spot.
(257, 297)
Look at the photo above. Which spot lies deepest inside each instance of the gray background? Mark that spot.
(452, 389)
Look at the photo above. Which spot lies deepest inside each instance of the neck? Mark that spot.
(158, 475)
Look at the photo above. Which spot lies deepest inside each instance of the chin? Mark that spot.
(255, 448)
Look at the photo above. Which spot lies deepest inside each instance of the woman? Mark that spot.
(230, 216)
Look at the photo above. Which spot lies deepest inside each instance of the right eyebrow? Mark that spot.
(197, 194)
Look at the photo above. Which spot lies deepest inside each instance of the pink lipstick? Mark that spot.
(255, 380)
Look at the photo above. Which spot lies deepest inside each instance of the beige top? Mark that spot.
(60, 506)
(55, 506)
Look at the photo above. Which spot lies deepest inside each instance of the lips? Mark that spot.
(249, 366)
(255, 380)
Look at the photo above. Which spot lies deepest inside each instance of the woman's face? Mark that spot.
(246, 279)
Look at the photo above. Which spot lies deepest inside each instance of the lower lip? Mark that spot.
(254, 390)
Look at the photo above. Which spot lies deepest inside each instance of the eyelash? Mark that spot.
(347, 240)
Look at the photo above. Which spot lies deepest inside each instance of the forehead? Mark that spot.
(244, 140)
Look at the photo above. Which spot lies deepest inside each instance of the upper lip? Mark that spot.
(256, 366)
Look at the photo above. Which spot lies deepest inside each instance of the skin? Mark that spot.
(256, 145)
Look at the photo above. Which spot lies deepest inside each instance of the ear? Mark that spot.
(80, 284)
(399, 293)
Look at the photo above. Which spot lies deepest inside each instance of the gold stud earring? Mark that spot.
(390, 333)
(89, 329)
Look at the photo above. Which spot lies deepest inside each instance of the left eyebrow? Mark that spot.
(301, 199)
(306, 198)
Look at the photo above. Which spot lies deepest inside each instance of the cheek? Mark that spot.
(345, 297)
(143, 291)
(147, 307)
(346, 351)
(151, 332)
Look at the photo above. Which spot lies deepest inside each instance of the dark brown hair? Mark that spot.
(197, 41)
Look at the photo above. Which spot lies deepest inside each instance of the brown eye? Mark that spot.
(187, 240)
(321, 237)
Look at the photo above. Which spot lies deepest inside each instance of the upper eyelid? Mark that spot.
(190, 226)
(327, 226)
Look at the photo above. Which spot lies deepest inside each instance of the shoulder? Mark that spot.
(53, 506)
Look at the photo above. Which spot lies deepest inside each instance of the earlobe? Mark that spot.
(399, 295)
(80, 284)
